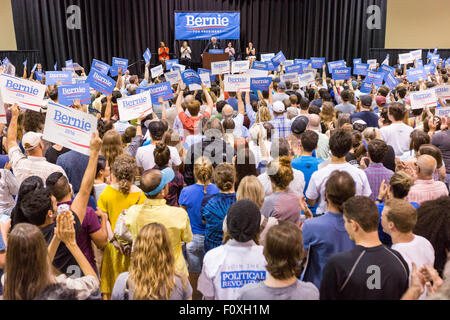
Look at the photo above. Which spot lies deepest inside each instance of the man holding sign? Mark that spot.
(27, 94)
(135, 106)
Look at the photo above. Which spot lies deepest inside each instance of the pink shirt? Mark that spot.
(425, 190)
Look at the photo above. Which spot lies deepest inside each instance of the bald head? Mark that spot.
(314, 122)
(227, 111)
(188, 99)
(150, 180)
(426, 165)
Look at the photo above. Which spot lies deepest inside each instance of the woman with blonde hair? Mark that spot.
(370, 134)
(263, 115)
(119, 196)
(152, 273)
(283, 204)
(328, 115)
(112, 146)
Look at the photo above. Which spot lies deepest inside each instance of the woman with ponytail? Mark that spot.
(152, 273)
(119, 196)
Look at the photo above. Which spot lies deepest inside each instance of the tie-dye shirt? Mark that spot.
(214, 210)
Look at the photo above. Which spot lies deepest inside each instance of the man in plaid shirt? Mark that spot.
(280, 122)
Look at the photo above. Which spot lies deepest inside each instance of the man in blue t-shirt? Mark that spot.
(366, 114)
(325, 236)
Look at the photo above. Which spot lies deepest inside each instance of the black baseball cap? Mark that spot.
(299, 124)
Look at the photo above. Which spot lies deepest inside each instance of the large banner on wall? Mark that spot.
(205, 25)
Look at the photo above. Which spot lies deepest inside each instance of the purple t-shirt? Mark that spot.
(284, 206)
(90, 225)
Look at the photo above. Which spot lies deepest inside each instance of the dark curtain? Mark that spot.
(335, 29)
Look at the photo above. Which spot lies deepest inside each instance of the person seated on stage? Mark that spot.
(250, 51)
(186, 52)
(163, 53)
(213, 44)
(230, 50)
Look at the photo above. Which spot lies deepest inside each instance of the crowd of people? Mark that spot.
(318, 192)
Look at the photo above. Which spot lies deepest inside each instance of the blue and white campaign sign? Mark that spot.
(157, 71)
(69, 64)
(387, 69)
(27, 94)
(292, 77)
(191, 77)
(416, 74)
(443, 112)
(233, 83)
(79, 80)
(417, 54)
(259, 65)
(25, 63)
(306, 79)
(163, 90)
(216, 51)
(390, 80)
(317, 62)
(341, 73)
(366, 87)
(40, 75)
(288, 63)
(357, 61)
(118, 63)
(443, 92)
(52, 77)
(278, 58)
(34, 68)
(298, 68)
(205, 25)
(261, 84)
(304, 62)
(256, 73)
(212, 77)
(206, 80)
(271, 66)
(429, 69)
(336, 65)
(170, 63)
(56, 66)
(419, 63)
(134, 106)
(179, 67)
(68, 94)
(405, 58)
(240, 66)
(100, 66)
(372, 63)
(100, 82)
(361, 69)
(69, 127)
(220, 67)
(375, 77)
(173, 77)
(147, 56)
(265, 57)
(424, 98)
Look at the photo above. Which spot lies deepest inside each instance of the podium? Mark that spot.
(208, 58)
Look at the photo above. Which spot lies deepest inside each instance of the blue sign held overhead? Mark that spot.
(261, 84)
(191, 77)
(416, 74)
(336, 65)
(163, 90)
(279, 58)
(297, 68)
(53, 77)
(147, 56)
(170, 63)
(357, 61)
(342, 73)
(317, 63)
(100, 82)
(205, 25)
(391, 81)
(361, 69)
(375, 77)
(212, 77)
(68, 94)
(118, 63)
(100, 66)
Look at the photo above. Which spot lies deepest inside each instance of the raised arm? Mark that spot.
(209, 100)
(180, 97)
(163, 108)
(119, 80)
(24, 72)
(80, 202)
(108, 110)
(147, 72)
(270, 93)
(12, 129)
(241, 107)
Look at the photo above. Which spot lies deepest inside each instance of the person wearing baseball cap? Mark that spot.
(34, 162)
(281, 94)
(366, 114)
(239, 254)
(279, 121)
(299, 125)
(155, 185)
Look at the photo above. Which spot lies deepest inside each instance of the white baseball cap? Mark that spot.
(31, 140)
(279, 107)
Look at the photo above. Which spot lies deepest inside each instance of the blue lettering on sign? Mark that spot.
(236, 80)
(204, 25)
(71, 122)
(237, 279)
(133, 103)
(10, 84)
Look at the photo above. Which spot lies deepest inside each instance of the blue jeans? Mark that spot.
(194, 253)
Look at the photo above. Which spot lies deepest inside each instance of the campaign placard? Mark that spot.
(134, 106)
(260, 84)
(173, 77)
(405, 58)
(278, 59)
(233, 83)
(68, 94)
(336, 65)
(306, 79)
(271, 66)
(163, 90)
(443, 112)
(157, 71)
(292, 77)
(416, 54)
(387, 69)
(100, 82)
(212, 77)
(416, 74)
(34, 68)
(69, 64)
(288, 63)
(295, 68)
(220, 67)
(177, 66)
(341, 73)
(375, 77)
(39, 75)
(259, 65)
(100, 66)
(304, 62)
(118, 63)
(204, 25)
(390, 80)
(255, 73)
(206, 80)
(424, 98)
(191, 77)
(361, 69)
(52, 77)
(79, 80)
(266, 57)
(357, 61)
(372, 63)
(317, 62)
(170, 63)
(147, 56)
(240, 66)
(443, 92)
(27, 94)
(69, 127)
(429, 69)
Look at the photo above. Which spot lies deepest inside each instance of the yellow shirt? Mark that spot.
(176, 221)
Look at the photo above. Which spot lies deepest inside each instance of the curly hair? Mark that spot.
(152, 266)
(124, 169)
(263, 115)
(33, 121)
(282, 173)
(112, 146)
(225, 176)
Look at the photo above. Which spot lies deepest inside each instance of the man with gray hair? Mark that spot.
(227, 113)
(280, 95)
(425, 188)
(322, 151)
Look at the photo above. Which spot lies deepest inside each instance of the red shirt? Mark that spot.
(191, 123)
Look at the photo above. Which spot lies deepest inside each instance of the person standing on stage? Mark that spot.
(230, 50)
(186, 51)
(163, 53)
(213, 44)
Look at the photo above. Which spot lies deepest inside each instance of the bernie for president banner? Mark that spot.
(205, 25)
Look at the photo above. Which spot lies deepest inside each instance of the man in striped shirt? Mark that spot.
(280, 122)
(376, 171)
(425, 188)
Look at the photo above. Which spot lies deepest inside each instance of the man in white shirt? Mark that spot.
(280, 95)
(397, 134)
(323, 150)
(398, 220)
(227, 112)
(145, 159)
(340, 145)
